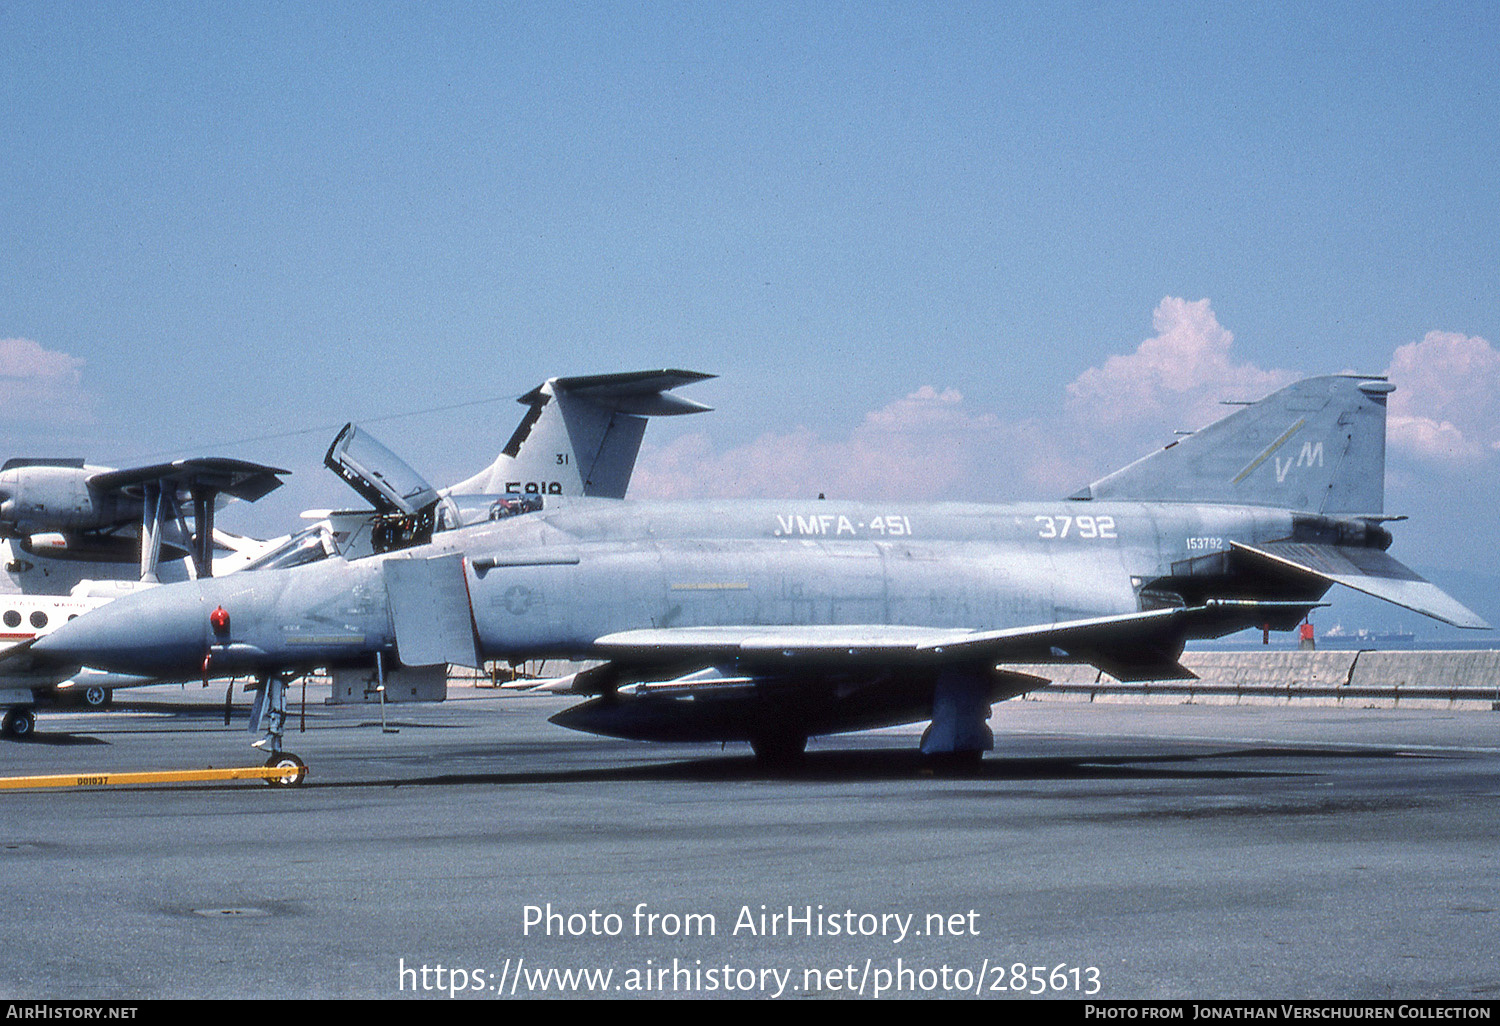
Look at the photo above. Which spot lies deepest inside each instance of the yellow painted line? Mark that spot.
(150, 777)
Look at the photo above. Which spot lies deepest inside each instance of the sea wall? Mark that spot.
(1469, 679)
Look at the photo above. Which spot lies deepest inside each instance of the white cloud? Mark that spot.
(1179, 375)
(931, 444)
(927, 443)
(1446, 407)
(42, 387)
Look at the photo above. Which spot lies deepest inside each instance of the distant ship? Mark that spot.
(1364, 637)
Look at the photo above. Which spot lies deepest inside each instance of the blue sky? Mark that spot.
(226, 222)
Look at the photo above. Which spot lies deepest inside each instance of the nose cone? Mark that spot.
(160, 632)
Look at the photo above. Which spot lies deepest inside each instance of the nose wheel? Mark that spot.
(286, 760)
(268, 713)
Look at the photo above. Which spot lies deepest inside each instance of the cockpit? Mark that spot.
(463, 510)
(407, 510)
(306, 546)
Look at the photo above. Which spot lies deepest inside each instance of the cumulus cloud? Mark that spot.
(930, 442)
(927, 442)
(1446, 407)
(41, 387)
(1179, 374)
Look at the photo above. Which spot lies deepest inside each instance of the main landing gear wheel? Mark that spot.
(98, 697)
(286, 760)
(19, 723)
(779, 749)
(958, 764)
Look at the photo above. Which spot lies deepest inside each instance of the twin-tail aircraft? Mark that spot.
(773, 621)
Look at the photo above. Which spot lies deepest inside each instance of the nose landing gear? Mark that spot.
(268, 713)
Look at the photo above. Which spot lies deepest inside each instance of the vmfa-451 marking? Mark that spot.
(772, 621)
(840, 525)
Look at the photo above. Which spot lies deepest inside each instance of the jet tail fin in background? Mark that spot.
(581, 435)
(1317, 445)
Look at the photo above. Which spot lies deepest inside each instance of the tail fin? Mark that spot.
(581, 434)
(1317, 445)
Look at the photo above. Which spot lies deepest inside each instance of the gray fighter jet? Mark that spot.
(579, 436)
(771, 621)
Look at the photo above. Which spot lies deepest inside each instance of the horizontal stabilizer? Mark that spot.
(641, 393)
(1373, 572)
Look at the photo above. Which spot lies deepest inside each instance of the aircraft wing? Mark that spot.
(1371, 571)
(1128, 646)
(239, 478)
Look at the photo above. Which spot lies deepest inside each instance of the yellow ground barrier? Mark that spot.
(189, 776)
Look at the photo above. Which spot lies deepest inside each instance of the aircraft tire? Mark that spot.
(956, 764)
(779, 749)
(19, 723)
(98, 697)
(287, 759)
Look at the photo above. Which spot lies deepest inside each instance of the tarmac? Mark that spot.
(1108, 850)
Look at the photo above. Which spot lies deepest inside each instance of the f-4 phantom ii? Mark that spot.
(579, 436)
(772, 621)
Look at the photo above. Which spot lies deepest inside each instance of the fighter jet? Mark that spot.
(773, 621)
(579, 436)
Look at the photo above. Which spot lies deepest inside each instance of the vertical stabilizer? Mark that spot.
(1317, 445)
(580, 435)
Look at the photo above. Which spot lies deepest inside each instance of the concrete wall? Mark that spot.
(1469, 678)
(1428, 669)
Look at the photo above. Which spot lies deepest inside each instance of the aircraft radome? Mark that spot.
(772, 621)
